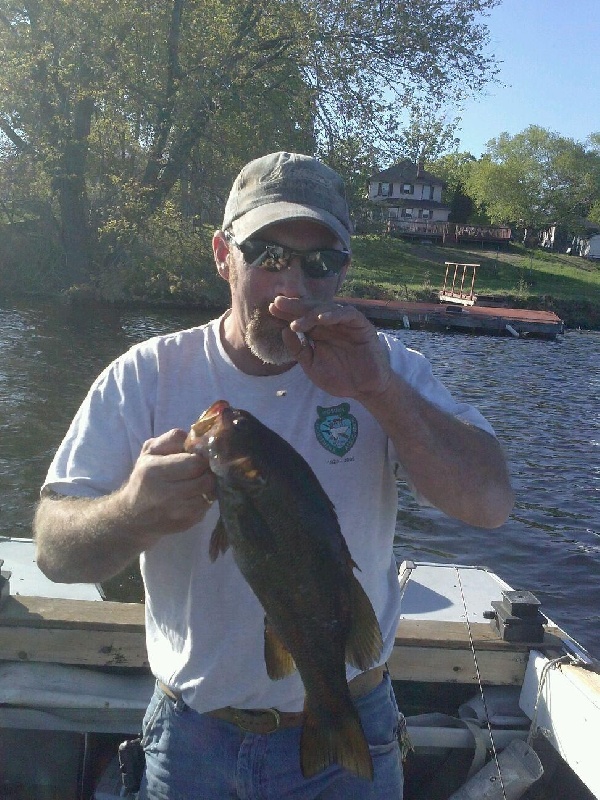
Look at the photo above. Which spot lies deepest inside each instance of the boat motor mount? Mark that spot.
(517, 617)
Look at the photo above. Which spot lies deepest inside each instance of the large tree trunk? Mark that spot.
(77, 237)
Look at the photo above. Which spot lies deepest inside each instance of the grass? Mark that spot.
(393, 268)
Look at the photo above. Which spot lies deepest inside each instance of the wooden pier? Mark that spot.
(516, 322)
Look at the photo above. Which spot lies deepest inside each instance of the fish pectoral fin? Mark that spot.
(336, 739)
(364, 643)
(278, 658)
(219, 543)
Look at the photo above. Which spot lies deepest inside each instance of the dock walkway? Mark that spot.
(517, 322)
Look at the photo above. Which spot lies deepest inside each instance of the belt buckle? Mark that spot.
(239, 720)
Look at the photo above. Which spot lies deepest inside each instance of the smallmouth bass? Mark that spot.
(287, 542)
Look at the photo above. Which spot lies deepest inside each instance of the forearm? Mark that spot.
(82, 540)
(459, 468)
(168, 491)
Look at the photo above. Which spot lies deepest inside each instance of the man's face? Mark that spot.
(253, 289)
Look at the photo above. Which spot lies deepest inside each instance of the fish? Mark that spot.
(286, 540)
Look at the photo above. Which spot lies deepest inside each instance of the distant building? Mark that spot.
(560, 238)
(407, 192)
(408, 200)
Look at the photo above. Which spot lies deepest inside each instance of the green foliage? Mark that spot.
(30, 257)
(428, 133)
(412, 271)
(594, 213)
(166, 261)
(109, 110)
(535, 179)
(454, 169)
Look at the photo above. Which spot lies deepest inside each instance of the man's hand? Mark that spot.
(91, 540)
(341, 352)
(168, 490)
(459, 468)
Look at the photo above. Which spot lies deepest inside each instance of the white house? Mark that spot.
(591, 247)
(406, 192)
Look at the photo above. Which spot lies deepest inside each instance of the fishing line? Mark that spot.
(482, 693)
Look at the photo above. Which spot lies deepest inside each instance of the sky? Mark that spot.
(550, 51)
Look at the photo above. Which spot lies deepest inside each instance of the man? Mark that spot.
(356, 404)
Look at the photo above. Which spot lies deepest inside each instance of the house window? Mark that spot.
(407, 213)
(385, 189)
(424, 213)
(408, 188)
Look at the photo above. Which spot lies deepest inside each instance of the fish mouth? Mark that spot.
(207, 424)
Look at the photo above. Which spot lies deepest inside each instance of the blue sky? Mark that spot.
(550, 51)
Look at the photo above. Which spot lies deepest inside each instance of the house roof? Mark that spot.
(406, 172)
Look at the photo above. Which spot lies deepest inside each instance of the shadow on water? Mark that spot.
(541, 398)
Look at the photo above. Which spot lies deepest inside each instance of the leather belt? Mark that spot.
(268, 720)
(258, 720)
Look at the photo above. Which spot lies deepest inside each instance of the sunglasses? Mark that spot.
(273, 257)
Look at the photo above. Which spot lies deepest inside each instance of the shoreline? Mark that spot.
(579, 315)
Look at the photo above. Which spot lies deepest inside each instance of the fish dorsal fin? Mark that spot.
(278, 658)
(219, 543)
(364, 643)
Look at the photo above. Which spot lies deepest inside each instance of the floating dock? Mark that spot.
(516, 322)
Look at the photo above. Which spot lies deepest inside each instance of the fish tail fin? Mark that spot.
(364, 643)
(337, 739)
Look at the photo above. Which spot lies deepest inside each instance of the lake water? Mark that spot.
(543, 399)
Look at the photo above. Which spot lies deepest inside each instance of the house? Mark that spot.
(589, 247)
(408, 193)
(560, 238)
(409, 201)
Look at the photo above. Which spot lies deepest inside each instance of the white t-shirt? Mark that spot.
(204, 626)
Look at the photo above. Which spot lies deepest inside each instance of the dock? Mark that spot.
(516, 322)
(457, 310)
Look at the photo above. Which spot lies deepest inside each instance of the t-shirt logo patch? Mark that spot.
(336, 428)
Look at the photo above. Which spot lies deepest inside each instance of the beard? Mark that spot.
(263, 338)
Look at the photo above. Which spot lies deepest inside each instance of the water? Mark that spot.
(541, 397)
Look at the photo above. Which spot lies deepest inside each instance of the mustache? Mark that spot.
(261, 313)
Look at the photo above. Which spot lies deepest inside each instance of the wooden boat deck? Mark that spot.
(494, 321)
(433, 641)
(79, 666)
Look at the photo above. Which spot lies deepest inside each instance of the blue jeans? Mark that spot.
(191, 756)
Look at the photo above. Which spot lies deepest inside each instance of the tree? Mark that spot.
(454, 169)
(535, 179)
(121, 105)
(427, 134)
(594, 215)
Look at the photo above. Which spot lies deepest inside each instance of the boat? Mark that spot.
(496, 696)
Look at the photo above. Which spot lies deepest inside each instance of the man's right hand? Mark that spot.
(169, 490)
(83, 540)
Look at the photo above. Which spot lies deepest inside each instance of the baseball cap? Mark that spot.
(286, 186)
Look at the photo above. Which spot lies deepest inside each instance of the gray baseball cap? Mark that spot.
(286, 186)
